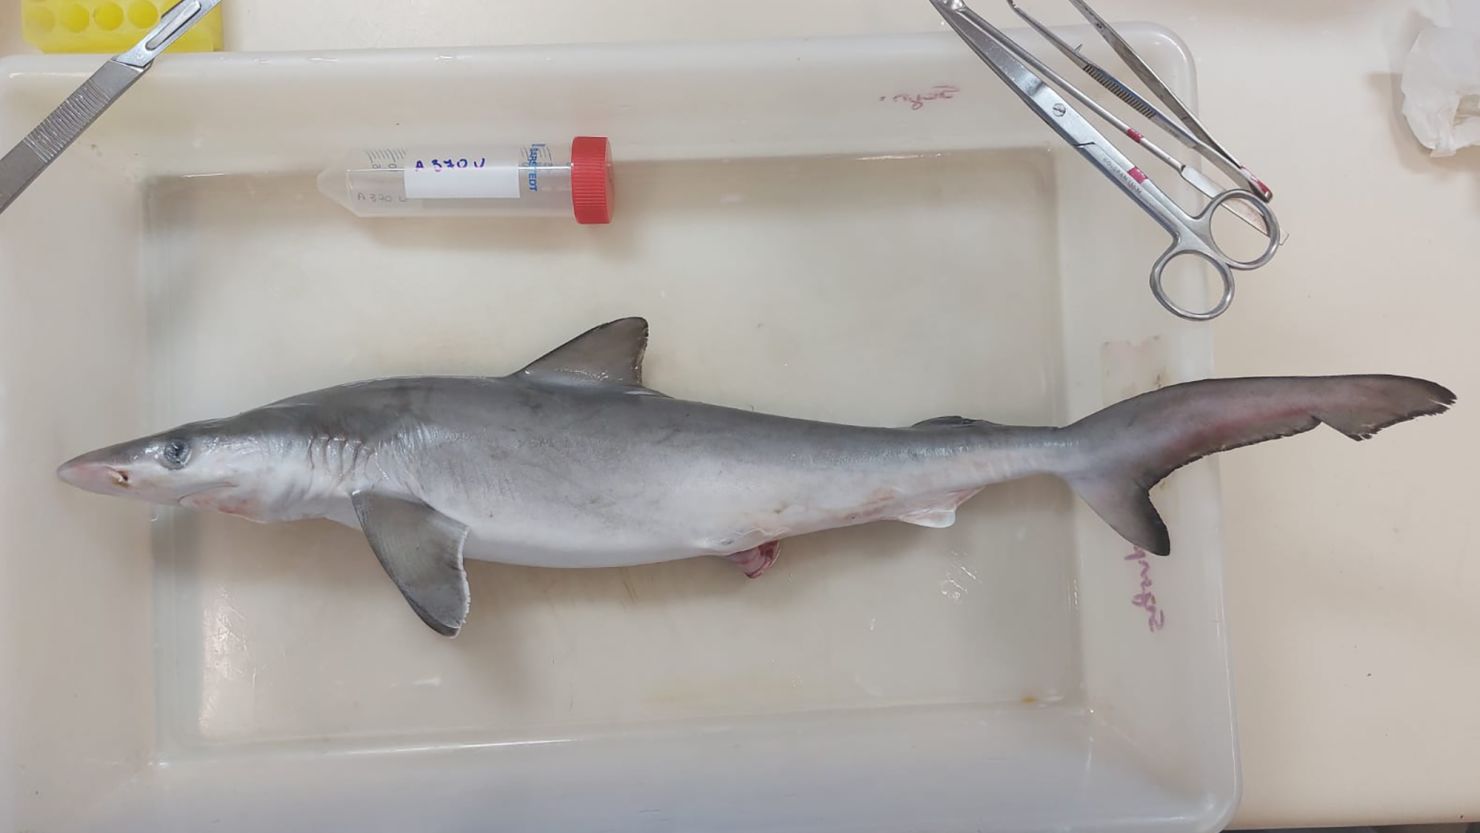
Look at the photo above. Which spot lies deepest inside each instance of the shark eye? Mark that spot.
(174, 454)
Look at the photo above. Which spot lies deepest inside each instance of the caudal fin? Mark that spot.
(1119, 453)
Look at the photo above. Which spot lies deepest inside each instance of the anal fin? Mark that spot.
(937, 514)
(935, 517)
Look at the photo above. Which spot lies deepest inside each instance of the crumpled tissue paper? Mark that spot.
(1441, 82)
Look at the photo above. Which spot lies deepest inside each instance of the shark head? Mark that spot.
(226, 465)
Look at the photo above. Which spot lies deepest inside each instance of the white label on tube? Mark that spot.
(429, 178)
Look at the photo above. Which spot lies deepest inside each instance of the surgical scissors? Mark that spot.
(1192, 234)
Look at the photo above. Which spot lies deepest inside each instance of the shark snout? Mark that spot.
(94, 475)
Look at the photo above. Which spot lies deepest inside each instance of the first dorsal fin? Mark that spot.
(608, 354)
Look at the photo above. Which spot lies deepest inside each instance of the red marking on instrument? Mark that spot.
(1137, 175)
(1134, 133)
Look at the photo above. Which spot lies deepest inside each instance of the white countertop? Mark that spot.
(1353, 571)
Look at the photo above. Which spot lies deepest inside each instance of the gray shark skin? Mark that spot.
(572, 462)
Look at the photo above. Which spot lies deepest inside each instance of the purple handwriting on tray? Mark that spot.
(940, 92)
(1156, 618)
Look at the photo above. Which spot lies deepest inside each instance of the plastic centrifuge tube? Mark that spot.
(538, 179)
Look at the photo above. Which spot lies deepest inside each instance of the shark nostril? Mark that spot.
(120, 477)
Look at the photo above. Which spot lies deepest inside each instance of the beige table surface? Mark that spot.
(1353, 576)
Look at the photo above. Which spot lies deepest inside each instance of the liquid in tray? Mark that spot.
(260, 288)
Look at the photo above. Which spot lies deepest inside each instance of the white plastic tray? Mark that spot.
(869, 230)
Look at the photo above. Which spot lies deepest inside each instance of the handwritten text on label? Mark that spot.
(449, 164)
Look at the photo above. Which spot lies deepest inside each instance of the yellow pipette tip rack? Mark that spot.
(108, 26)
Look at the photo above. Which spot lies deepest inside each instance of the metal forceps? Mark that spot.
(1192, 234)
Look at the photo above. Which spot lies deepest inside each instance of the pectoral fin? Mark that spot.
(421, 550)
